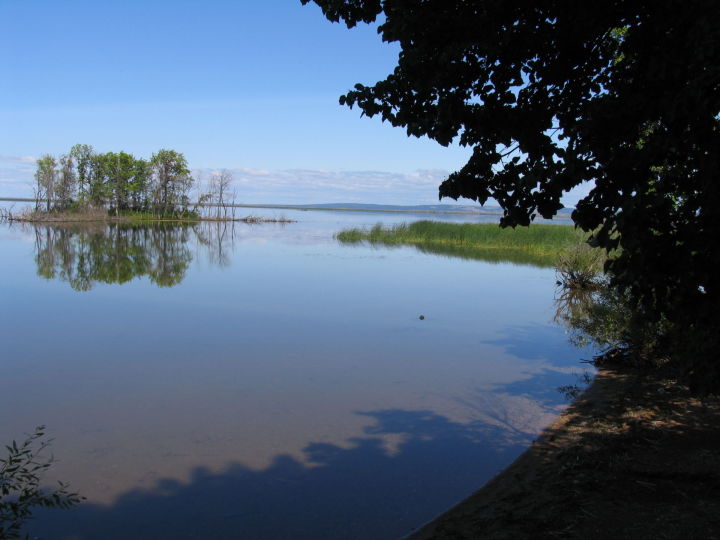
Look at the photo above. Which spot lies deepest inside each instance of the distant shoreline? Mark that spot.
(344, 208)
(319, 207)
(385, 210)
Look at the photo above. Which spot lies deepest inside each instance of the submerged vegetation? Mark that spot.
(538, 245)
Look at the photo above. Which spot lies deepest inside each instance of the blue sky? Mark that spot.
(247, 85)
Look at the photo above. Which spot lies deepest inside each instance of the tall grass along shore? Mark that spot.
(537, 245)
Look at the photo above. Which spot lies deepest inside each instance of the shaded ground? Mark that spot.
(633, 458)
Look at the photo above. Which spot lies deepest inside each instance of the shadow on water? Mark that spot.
(83, 255)
(369, 490)
(536, 342)
(544, 387)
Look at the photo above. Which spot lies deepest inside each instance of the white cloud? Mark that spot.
(308, 186)
(298, 186)
(16, 176)
(18, 159)
(572, 197)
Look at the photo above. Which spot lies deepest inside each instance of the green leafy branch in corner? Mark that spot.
(20, 491)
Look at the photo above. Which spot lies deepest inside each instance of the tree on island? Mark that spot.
(45, 180)
(171, 180)
(623, 96)
(117, 181)
(82, 156)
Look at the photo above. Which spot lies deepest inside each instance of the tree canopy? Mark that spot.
(117, 180)
(622, 95)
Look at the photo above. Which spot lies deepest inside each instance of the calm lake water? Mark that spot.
(267, 382)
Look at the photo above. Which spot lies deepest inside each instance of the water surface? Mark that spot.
(266, 381)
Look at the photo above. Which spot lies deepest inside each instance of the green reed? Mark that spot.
(538, 245)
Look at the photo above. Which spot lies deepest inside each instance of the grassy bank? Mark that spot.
(538, 245)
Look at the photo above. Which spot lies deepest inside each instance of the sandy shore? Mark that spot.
(634, 457)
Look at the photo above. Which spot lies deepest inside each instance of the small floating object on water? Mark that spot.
(421, 317)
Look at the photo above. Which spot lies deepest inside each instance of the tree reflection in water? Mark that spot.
(84, 255)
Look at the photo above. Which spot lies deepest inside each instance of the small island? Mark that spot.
(83, 185)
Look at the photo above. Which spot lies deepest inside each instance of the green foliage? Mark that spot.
(141, 216)
(119, 172)
(171, 181)
(538, 245)
(602, 316)
(551, 95)
(596, 316)
(20, 492)
(117, 181)
(580, 266)
(66, 181)
(82, 155)
(45, 180)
